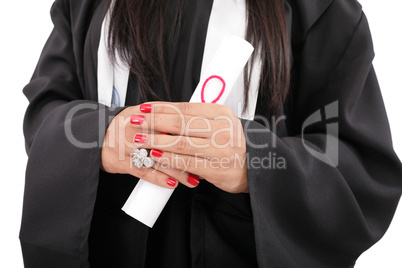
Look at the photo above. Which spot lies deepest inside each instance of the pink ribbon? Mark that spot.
(205, 84)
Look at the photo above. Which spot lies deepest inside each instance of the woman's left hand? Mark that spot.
(204, 139)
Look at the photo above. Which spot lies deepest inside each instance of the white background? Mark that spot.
(25, 25)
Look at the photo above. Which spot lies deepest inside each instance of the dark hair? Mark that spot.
(137, 31)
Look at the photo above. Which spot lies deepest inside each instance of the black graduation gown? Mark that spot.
(307, 215)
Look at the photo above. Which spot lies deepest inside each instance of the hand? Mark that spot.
(204, 139)
(119, 143)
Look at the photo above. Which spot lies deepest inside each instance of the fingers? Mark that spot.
(218, 146)
(119, 145)
(153, 176)
(219, 130)
(177, 144)
(184, 178)
(198, 165)
(185, 119)
(162, 176)
(179, 124)
(225, 173)
(209, 110)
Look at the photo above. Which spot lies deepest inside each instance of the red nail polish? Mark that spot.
(156, 153)
(193, 180)
(137, 119)
(171, 182)
(146, 108)
(140, 138)
(163, 133)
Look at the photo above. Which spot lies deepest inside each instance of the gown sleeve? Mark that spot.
(64, 134)
(318, 201)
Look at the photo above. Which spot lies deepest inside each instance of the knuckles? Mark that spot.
(182, 145)
(185, 107)
(141, 172)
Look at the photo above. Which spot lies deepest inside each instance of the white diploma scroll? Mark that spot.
(147, 200)
(218, 80)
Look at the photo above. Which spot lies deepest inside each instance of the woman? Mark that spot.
(322, 203)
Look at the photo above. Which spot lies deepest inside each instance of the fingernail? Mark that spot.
(193, 180)
(163, 133)
(146, 108)
(156, 153)
(137, 119)
(171, 182)
(140, 138)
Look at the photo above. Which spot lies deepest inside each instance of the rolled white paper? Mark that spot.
(224, 68)
(147, 200)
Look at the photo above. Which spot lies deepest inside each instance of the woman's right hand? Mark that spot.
(119, 143)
